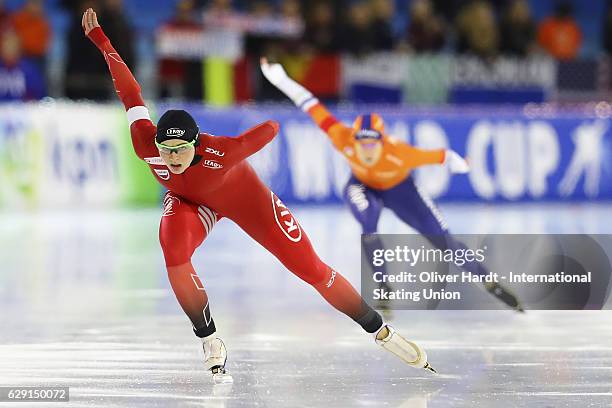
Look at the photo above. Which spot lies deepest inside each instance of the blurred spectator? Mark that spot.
(118, 30)
(86, 71)
(185, 16)
(261, 9)
(425, 30)
(357, 35)
(291, 12)
(220, 7)
(321, 27)
(291, 9)
(607, 31)
(447, 9)
(20, 79)
(270, 31)
(219, 13)
(181, 78)
(33, 30)
(517, 29)
(477, 29)
(559, 34)
(383, 11)
(260, 38)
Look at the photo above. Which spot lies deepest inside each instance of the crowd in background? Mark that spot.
(481, 27)
(24, 40)
(485, 28)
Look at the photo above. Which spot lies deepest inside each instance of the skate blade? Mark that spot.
(222, 378)
(505, 296)
(430, 368)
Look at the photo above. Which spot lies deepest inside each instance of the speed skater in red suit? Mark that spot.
(208, 178)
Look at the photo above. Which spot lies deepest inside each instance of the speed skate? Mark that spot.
(408, 351)
(215, 357)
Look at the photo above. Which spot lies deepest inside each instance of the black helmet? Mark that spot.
(176, 124)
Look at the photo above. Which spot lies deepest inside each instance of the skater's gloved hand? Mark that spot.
(89, 21)
(275, 73)
(92, 29)
(456, 163)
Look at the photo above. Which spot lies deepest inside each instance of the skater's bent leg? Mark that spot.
(366, 206)
(300, 258)
(339, 293)
(192, 297)
(417, 209)
(272, 224)
(334, 288)
(184, 226)
(414, 207)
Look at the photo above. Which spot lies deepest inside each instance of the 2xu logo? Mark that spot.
(215, 152)
(285, 220)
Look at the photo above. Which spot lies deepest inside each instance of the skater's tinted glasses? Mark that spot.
(174, 149)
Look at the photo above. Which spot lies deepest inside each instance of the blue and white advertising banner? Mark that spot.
(514, 155)
(55, 155)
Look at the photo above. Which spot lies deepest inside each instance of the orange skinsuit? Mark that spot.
(397, 159)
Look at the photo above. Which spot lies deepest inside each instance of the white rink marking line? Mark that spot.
(554, 394)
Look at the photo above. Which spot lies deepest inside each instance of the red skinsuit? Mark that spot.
(222, 181)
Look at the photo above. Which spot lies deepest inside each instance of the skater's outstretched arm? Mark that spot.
(340, 134)
(128, 89)
(414, 157)
(248, 143)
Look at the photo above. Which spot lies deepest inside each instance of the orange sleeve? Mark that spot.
(414, 157)
(339, 134)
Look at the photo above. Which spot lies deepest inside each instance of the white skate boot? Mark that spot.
(408, 351)
(215, 356)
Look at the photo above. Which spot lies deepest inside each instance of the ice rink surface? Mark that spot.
(85, 303)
